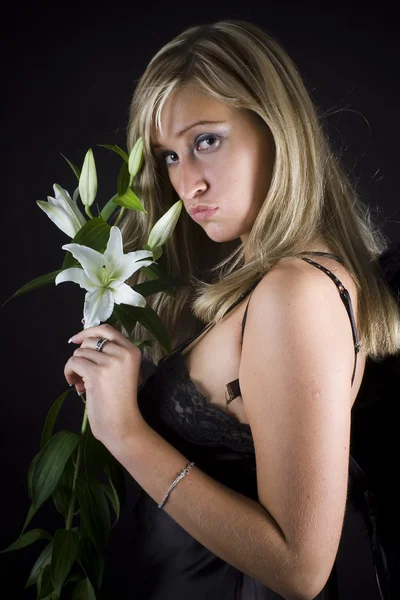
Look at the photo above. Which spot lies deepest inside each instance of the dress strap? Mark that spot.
(233, 387)
(345, 296)
(183, 345)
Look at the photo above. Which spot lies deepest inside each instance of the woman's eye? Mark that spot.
(203, 138)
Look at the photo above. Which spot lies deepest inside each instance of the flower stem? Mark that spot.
(120, 214)
(77, 465)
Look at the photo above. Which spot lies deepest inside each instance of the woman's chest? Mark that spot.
(213, 359)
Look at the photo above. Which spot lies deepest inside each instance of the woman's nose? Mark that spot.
(191, 180)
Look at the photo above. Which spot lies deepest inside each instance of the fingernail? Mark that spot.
(71, 339)
(71, 384)
(80, 393)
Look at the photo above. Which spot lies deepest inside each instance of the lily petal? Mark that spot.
(61, 194)
(76, 195)
(91, 260)
(59, 217)
(165, 226)
(130, 263)
(114, 244)
(70, 206)
(76, 275)
(88, 179)
(114, 250)
(98, 306)
(124, 294)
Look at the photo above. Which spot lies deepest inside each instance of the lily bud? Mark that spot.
(165, 226)
(136, 158)
(63, 211)
(88, 180)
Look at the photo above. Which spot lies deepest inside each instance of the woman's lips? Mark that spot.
(204, 213)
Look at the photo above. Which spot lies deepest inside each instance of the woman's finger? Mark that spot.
(76, 370)
(99, 331)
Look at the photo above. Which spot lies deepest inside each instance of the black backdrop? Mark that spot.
(69, 71)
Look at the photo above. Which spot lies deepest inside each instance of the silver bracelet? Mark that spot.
(184, 472)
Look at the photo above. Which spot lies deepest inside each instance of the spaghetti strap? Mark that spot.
(233, 387)
(183, 345)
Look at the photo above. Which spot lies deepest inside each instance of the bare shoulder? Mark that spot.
(297, 289)
(295, 377)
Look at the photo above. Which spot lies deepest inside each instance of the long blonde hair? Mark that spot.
(240, 64)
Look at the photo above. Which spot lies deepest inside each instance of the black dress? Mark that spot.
(169, 564)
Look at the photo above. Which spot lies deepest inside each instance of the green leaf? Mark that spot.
(28, 538)
(143, 343)
(109, 208)
(51, 418)
(116, 149)
(123, 179)
(65, 551)
(75, 169)
(153, 271)
(63, 492)
(50, 464)
(74, 577)
(92, 563)
(95, 513)
(45, 587)
(29, 517)
(110, 493)
(116, 489)
(130, 200)
(30, 471)
(128, 315)
(84, 591)
(43, 559)
(94, 234)
(157, 252)
(162, 284)
(116, 475)
(95, 454)
(34, 284)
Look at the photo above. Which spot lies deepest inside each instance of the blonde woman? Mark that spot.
(243, 486)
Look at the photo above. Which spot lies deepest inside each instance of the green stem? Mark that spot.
(77, 465)
(120, 214)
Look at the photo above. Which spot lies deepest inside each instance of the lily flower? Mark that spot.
(88, 180)
(165, 226)
(103, 276)
(135, 160)
(63, 211)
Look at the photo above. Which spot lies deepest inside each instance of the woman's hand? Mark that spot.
(110, 379)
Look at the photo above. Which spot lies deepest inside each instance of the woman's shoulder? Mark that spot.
(291, 274)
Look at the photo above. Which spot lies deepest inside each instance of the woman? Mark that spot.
(229, 128)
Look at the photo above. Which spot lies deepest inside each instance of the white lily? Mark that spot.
(103, 276)
(165, 226)
(135, 160)
(63, 210)
(88, 180)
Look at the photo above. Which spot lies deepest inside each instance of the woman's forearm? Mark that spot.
(232, 526)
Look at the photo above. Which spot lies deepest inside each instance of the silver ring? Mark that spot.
(100, 343)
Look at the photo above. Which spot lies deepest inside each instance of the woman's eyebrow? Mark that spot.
(180, 133)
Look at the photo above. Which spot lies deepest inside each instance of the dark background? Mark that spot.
(69, 72)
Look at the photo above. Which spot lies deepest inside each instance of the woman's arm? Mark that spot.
(295, 375)
(234, 527)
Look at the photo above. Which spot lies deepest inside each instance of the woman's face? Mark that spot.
(225, 166)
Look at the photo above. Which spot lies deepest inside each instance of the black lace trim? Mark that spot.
(170, 399)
